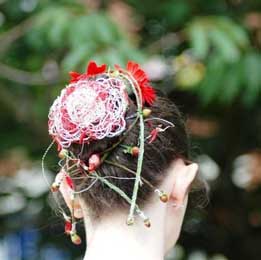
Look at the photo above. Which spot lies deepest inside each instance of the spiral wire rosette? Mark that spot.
(89, 110)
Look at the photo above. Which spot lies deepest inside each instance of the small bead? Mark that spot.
(94, 162)
(130, 221)
(55, 187)
(135, 151)
(147, 223)
(146, 112)
(115, 73)
(76, 239)
(63, 153)
(164, 197)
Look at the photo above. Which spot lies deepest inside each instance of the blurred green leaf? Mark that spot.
(252, 73)
(104, 30)
(209, 89)
(58, 30)
(234, 31)
(77, 57)
(199, 40)
(232, 82)
(176, 12)
(224, 45)
(216, 34)
(81, 31)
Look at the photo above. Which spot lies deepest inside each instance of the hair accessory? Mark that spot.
(162, 195)
(70, 120)
(93, 107)
(94, 162)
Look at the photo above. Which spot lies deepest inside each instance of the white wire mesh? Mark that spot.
(89, 110)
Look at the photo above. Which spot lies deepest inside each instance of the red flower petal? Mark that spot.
(148, 93)
(74, 76)
(93, 69)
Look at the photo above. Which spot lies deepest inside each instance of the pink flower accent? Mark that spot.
(154, 134)
(69, 181)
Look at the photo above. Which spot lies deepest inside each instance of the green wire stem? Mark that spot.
(116, 189)
(130, 171)
(138, 96)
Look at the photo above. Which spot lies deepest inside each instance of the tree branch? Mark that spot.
(16, 32)
(24, 77)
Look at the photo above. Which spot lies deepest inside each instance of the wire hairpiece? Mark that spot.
(93, 107)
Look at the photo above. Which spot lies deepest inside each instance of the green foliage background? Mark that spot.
(212, 50)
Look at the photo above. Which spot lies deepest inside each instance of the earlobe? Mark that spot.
(183, 177)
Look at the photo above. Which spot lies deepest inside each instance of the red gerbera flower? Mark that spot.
(91, 70)
(148, 93)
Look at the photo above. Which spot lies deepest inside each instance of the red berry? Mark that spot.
(63, 153)
(164, 197)
(135, 151)
(146, 112)
(55, 187)
(76, 239)
(147, 223)
(68, 227)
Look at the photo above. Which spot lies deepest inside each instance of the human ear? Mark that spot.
(183, 176)
(67, 192)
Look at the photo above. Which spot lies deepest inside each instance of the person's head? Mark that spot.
(165, 167)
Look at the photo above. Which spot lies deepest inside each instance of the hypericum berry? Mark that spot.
(114, 73)
(146, 112)
(135, 151)
(94, 162)
(147, 222)
(55, 187)
(130, 221)
(164, 197)
(76, 239)
(63, 153)
(68, 227)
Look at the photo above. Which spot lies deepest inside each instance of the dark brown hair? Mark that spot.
(169, 145)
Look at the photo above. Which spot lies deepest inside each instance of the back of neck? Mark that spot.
(113, 239)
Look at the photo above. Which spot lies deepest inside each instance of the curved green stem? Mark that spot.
(116, 189)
